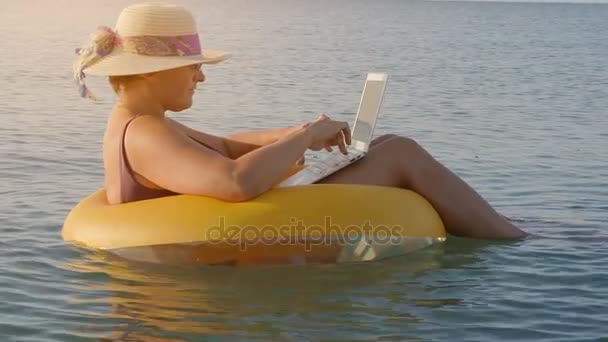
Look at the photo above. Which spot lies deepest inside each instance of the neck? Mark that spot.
(141, 103)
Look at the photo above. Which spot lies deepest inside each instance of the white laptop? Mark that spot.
(362, 132)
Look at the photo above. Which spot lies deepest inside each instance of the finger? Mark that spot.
(337, 140)
(347, 134)
(342, 147)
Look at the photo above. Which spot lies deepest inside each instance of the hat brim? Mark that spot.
(121, 63)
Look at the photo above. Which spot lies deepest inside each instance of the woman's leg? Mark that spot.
(400, 162)
(377, 141)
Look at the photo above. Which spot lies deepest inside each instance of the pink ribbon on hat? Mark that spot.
(105, 40)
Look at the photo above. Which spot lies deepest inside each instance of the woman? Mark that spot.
(153, 59)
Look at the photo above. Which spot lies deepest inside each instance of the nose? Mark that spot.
(200, 77)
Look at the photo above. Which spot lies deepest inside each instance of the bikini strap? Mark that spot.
(123, 151)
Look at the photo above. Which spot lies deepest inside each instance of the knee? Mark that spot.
(381, 139)
(412, 161)
(396, 145)
(387, 136)
(405, 145)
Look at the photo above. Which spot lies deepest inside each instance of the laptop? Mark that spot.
(361, 136)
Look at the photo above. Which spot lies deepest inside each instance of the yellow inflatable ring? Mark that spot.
(318, 223)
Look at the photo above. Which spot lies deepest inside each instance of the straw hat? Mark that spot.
(146, 38)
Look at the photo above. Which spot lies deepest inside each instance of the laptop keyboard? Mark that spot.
(320, 167)
(332, 160)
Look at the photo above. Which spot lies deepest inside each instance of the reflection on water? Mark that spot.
(181, 302)
(297, 251)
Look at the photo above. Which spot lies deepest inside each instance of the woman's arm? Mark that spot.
(169, 159)
(238, 144)
(241, 143)
(173, 161)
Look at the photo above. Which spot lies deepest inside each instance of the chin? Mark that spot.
(178, 107)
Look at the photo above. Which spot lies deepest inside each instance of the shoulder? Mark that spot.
(151, 140)
(147, 123)
(147, 130)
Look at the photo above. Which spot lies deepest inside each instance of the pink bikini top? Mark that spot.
(130, 189)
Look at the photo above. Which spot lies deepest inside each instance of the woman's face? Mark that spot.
(174, 88)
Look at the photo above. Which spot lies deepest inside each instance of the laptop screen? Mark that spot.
(369, 108)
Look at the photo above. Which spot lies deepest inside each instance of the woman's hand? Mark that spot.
(326, 133)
